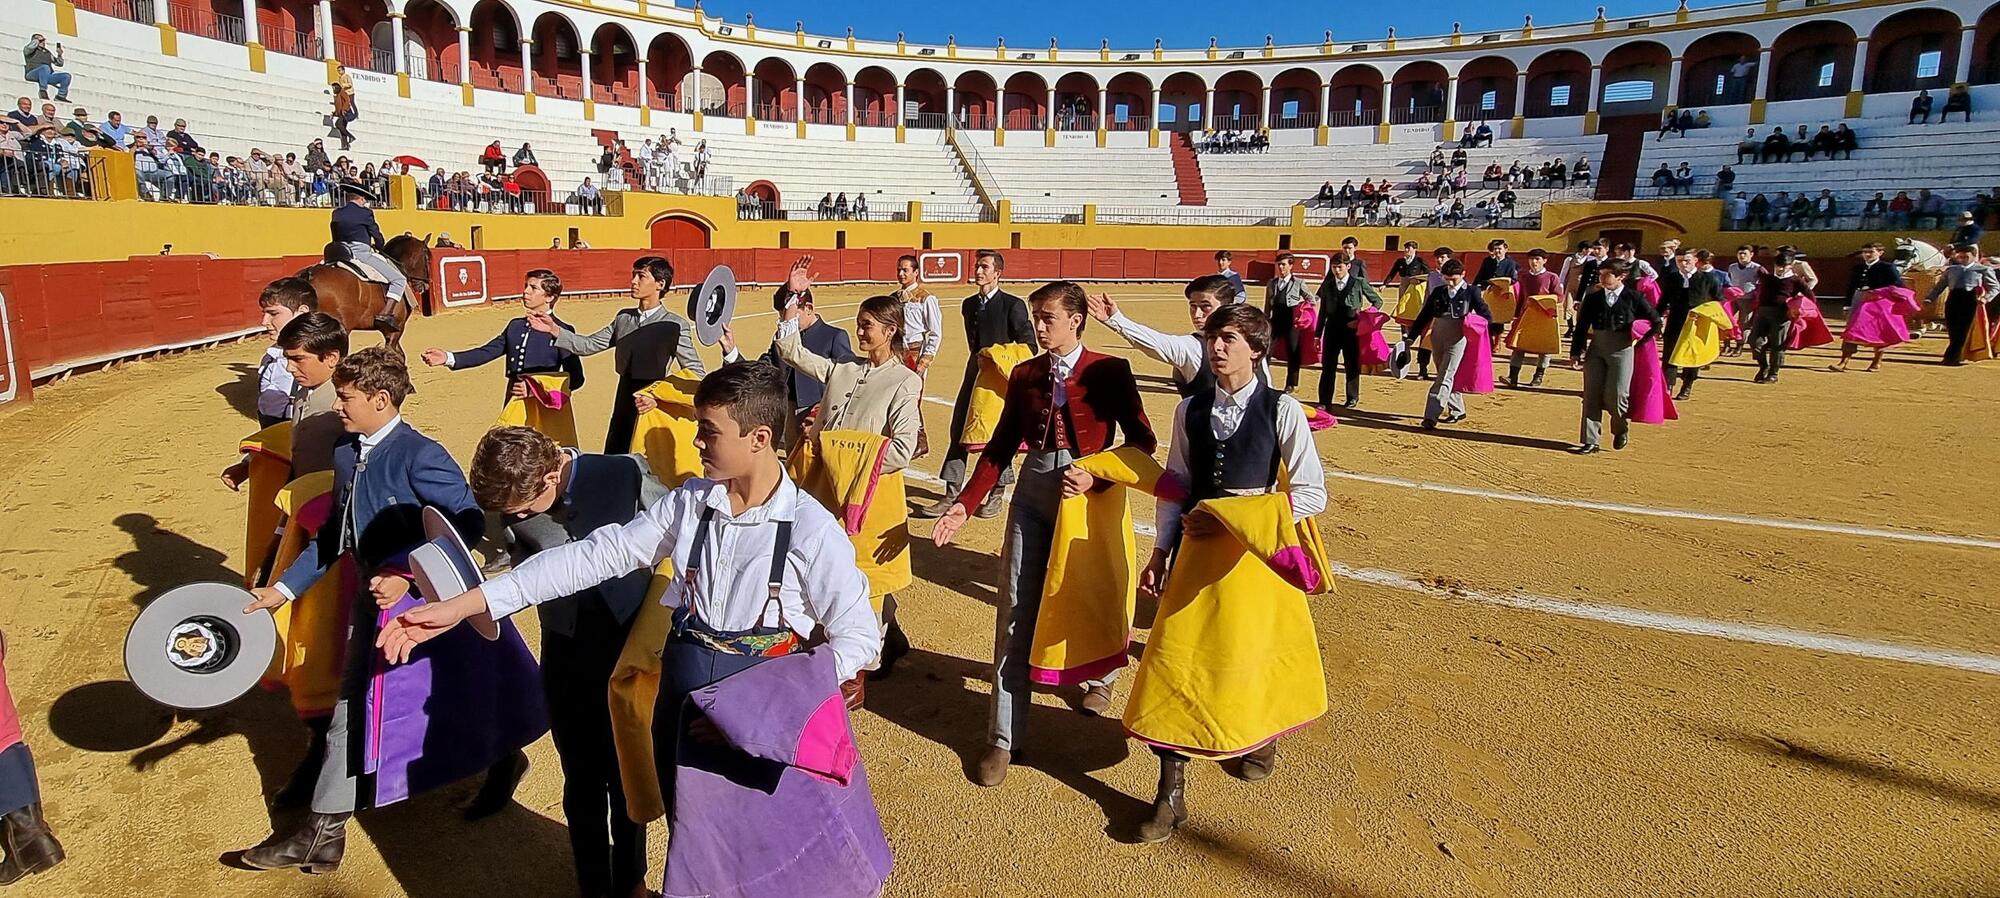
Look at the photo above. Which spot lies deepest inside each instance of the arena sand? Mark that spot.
(1471, 749)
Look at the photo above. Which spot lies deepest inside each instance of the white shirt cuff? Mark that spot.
(284, 590)
(503, 597)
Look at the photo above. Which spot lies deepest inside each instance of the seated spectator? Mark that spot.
(1725, 181)
(493, 159)
(1457, 214)
(1748, 146)
(1458, 182)
(1844, 141)
(1802, 143)
(588, 200)
(1484, 138)
(1439, 211)
(1825, 209)
(316, 156)
(615, 179)
(824, 211)
(14, 177)
(1669, 123)
(1739, 211)
(860, 206)
(1901, 210)
(1825, 142)
(23, 117)
(1685, 122)
(1663, 177)
(1505, 201)
(1684, 179)
(1960, 101)
(1581, 173)
(1920, 108)
(1467, 138)
(514, 196)
(1368, 190)
(1492, 213)
(1458, 158)
(1930, 208)
(40, 65)
(114, 127)
(1347, 193)
(1558, 173)
(79, 120)
(1493, 177)
(1437, 158)
(1701, 119)
(1801, 212)
(1392, 209)
(524, 156)
(1325, 194)
(1874, 210)
(1425, 184)
(156, 182)
(1760, 211)
(1260, 140)
(154, 136)
(181, 136)
(1777, 147)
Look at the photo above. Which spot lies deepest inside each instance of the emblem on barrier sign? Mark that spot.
(1311, 263)
(940, 268)
(9, 385)
(462, 280)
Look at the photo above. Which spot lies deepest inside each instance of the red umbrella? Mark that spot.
(408, 161)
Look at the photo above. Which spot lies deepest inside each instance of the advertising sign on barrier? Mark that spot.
(462, 280)
(1314, 264)
(10, 386)
(940, 267)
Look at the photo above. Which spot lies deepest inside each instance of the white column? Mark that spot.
(160, 12)
(897, 119)
(1674, 83)
(645, 86)
(1521, 93)
(527, 67)
(1208, 110)
(1325, 103)
(749, 94)
(1103, 107)
(1049, 111)
(1964, 72)
(250, 35)
(850, 103)
(1451, 98)
(690, 87)
(1264, 107)
(950, 107)
(464, 54)
(583, 65)
(799, 100)
(325, 26)
(1155, 125)
(1764, 73)
(1388, 91)
(1860, 64)
(1595, 88)
(396, 43)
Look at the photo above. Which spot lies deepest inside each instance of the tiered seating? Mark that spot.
(891, 174)
(1037, 175)
(1293, 174)
(280, 115)
(1954, 160)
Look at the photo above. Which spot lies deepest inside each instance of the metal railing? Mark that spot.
(959, 214)
(925, 121)
(823, 115)
(201, 23)
(874, 118)
(1019, 120)
(1048, 214)
(1195, 215)
(140, 11)
(292, 43)
(1071, 122)
(976, 120)
(53, 173)
(1237, 123)
(815, 213)
(1416, 115)
(711, 185)
(1131, 123)
(1301, 120)
(1347, 118)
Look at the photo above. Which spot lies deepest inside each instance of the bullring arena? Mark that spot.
(1751, 654)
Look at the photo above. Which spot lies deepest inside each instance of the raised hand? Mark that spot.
(1102, 306)
(542, 321)
(434, 357)
(800, 280)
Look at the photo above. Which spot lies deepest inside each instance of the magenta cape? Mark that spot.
(1650, 289)
(458, 705)
(1374, 346)
(1730, 297)
(1475, 371)
(1808, 327)
(1651, 403)
(1880, 317)
(1305, 319)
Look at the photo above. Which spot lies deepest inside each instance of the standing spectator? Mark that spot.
(860, 206)
(1725, 181)
(437, 188)
(79, 122)
(1749, 146)
(604, 159)
(1960, 101)
(615, 179)
(701, 159)
(344, 112)
(154, 135)
(40, 67)
(524, 156)
(1739, 211)
(13, 166)
(588, 200)
(181, 136)
(316, 156)
(840, 206)
(1920, 108)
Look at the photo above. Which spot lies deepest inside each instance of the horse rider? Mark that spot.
(354, 228)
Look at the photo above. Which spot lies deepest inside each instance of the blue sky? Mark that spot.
(1135, 23)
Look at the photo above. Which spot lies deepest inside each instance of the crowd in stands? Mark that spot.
(1233, 141)
(1958, 100)
(1802, 211)
(1681, 122)
(1778, 147)
(1446, 180)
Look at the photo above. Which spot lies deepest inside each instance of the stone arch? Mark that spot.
(1719, 69)
(1558, 85)
(1814, 59)
(1901, 48)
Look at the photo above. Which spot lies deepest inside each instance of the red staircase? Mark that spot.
(1187, 171)
(1618, 169)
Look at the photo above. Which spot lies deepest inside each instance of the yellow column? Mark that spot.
(590, 110)
(1319, 135)
(465, 93)
(256, 56)
(120, 179)
(1382, 131)
(1153, 138)
(645, 116)
(403, 85)
(402, 192)
(697, 118)
(169, 40)
(1090, 213)
(1004, 210)
(66, 17)
(1298, 215)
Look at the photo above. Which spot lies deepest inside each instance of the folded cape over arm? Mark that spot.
(546, 408)
(1085, 621)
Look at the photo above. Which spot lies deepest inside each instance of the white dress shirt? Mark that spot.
(274, 384)
(1305, 478)
(923, 321)
(821, 585)
(1187, 354)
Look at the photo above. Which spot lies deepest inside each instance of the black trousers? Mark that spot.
(610, 849)
(624, 416)
(1286, 332)
(1959, 308)
(1339, 341)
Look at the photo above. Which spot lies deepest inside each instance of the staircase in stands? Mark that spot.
(1187, 171)
(1618, 165)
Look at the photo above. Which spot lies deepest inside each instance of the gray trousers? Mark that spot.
(1448, 342)
(367, 256)
(1770, 331)
(1514, 365)
(1607, 383)
(334, 791)
(1024, 563)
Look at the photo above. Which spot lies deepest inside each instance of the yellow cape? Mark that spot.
(1233, 661)
(555, 418)
(635, 686)
(1701, 337)
(989, 390)
(270, 454)
(1409, 306)
(1539, 332)
(842, 469)
(665, 435)
(312, 630)
(1979, 341)
(1085, 622)
(1500, 299)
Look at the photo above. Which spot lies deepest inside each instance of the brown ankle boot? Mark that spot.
(1258, 764)
(315, 848)
(31, 846)
(1170, 804)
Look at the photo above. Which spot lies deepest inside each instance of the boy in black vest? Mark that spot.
(650, 339)
(550, 497)
(527, 350)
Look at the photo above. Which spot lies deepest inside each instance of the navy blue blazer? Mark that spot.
(822, 339)
(527, 351)
(383, 502)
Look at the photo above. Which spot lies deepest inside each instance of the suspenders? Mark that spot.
(780, 547)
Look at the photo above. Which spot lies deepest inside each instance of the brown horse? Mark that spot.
(356, 302)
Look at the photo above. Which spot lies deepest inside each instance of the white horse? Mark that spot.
(1922, 264)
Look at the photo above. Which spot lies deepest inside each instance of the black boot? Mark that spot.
(31, 847)
(386, 324)
(1537, 381)
(498, 791)
(1170, 804)
(894, 646)
(316, 848)
(298, 790)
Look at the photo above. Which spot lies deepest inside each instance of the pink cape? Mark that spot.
(1808, 328)
(1305, 319)
(1651, 403)
(1374, 346)
(1730, 295)
(1880, 317)
(1475, 370)
(1650, 289)
(10, 719)
(1319, 418)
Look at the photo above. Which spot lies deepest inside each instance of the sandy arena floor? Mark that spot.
(1529, 697)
